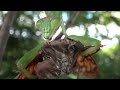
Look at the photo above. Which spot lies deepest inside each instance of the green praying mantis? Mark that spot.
(48, 27)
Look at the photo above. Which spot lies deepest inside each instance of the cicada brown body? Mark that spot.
(61, 57)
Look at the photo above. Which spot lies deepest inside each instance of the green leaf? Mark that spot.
(72, 76)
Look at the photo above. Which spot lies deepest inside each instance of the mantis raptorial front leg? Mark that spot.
(48, 27)
(91, 45)
(86, 41)
(27, 58)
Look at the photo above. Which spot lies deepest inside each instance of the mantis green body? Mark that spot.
(48, 27)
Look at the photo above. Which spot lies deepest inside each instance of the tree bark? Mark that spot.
(69, 23)
(4, 32)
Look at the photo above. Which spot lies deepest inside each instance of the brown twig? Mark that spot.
(4, 32)
(69, 22)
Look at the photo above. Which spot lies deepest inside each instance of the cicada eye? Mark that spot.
(72, 48)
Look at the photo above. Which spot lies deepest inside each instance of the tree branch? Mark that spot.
(4, 32)
(69, 23)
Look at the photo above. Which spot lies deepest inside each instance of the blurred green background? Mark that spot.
(103, 25)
